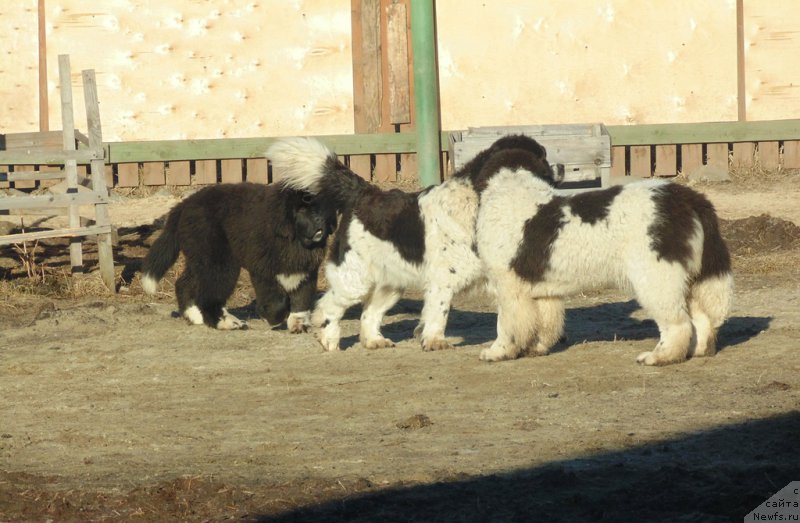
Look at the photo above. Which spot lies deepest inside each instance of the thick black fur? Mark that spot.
(267, 229)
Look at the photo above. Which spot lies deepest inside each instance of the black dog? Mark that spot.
(278, 234)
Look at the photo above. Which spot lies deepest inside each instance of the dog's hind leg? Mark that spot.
(550, 316)
(517, 320)
(186, 291)
(662, 292)
(709, 305)
(214, 293)
(378, 304)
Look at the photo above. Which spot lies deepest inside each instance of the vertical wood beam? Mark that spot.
(367, 78)
(741, 85)
(44, 109)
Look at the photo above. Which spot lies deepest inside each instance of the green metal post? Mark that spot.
(426, 92)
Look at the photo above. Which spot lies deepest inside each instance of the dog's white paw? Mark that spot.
(436, 344)
(193, 315)
(328, 341)
(497, 353)
(298, 322)
(540, 350)
(647, 358)
(378, 343)
(229, 322)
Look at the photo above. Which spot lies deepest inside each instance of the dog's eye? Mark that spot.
(308, 199)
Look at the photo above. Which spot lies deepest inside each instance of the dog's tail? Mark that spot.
(307, 164)
(162, 254)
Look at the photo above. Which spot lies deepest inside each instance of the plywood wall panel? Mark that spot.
(772, 59)
(175, 69)
(616, 61)
(19, 66)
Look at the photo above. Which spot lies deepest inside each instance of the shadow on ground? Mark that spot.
(716, 475)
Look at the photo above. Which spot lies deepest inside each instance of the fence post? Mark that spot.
(426, 92)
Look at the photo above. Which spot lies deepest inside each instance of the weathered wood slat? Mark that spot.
(221, 149)
(743, 154)
(666, 160)
(641, 164)
(24, 182)
(618, 167)
(128, 175)
(791, 154)
(691, 157)
(231, 171)
(32, 175)
(257, 170)
(768, 155)
(153, 173)
(704, 132)
(717, 154)
(205, 172)
(179, 173)
(70, 232)
(39, 156)
(397, 53)
(52, 200)
(30, 140)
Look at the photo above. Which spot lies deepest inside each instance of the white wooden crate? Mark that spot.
(583, 149)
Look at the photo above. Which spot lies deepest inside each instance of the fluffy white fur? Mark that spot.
(615, 251)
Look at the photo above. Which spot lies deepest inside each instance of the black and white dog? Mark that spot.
(659, 240)
(388, 241)
(275, 232)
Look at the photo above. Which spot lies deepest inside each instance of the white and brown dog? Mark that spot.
(659, 240)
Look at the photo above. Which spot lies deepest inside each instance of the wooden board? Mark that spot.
(768, 155)
(743, 154)
(717, 154)
(691, 157)
(257, 170)
(153, 173)
(128, 175)
(231, 171)
(205, 172)
(641, 161)
(398, 64)
(179, 173)
(618, 167)
(666, 160)
(791, 154)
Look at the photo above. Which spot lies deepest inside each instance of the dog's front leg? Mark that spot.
(435, 312)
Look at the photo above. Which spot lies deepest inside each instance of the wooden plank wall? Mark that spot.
(670, 160)
(382, 83)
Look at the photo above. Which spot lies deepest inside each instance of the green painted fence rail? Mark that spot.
(397, 143)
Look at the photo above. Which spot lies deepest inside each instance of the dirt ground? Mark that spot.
(111, 408)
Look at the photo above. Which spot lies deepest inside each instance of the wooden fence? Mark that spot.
(641, 150)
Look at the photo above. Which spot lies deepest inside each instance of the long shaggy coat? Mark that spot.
(656, 239)
(276, 233)
(388, 241)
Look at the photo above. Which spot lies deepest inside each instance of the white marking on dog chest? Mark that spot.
(290, 282)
